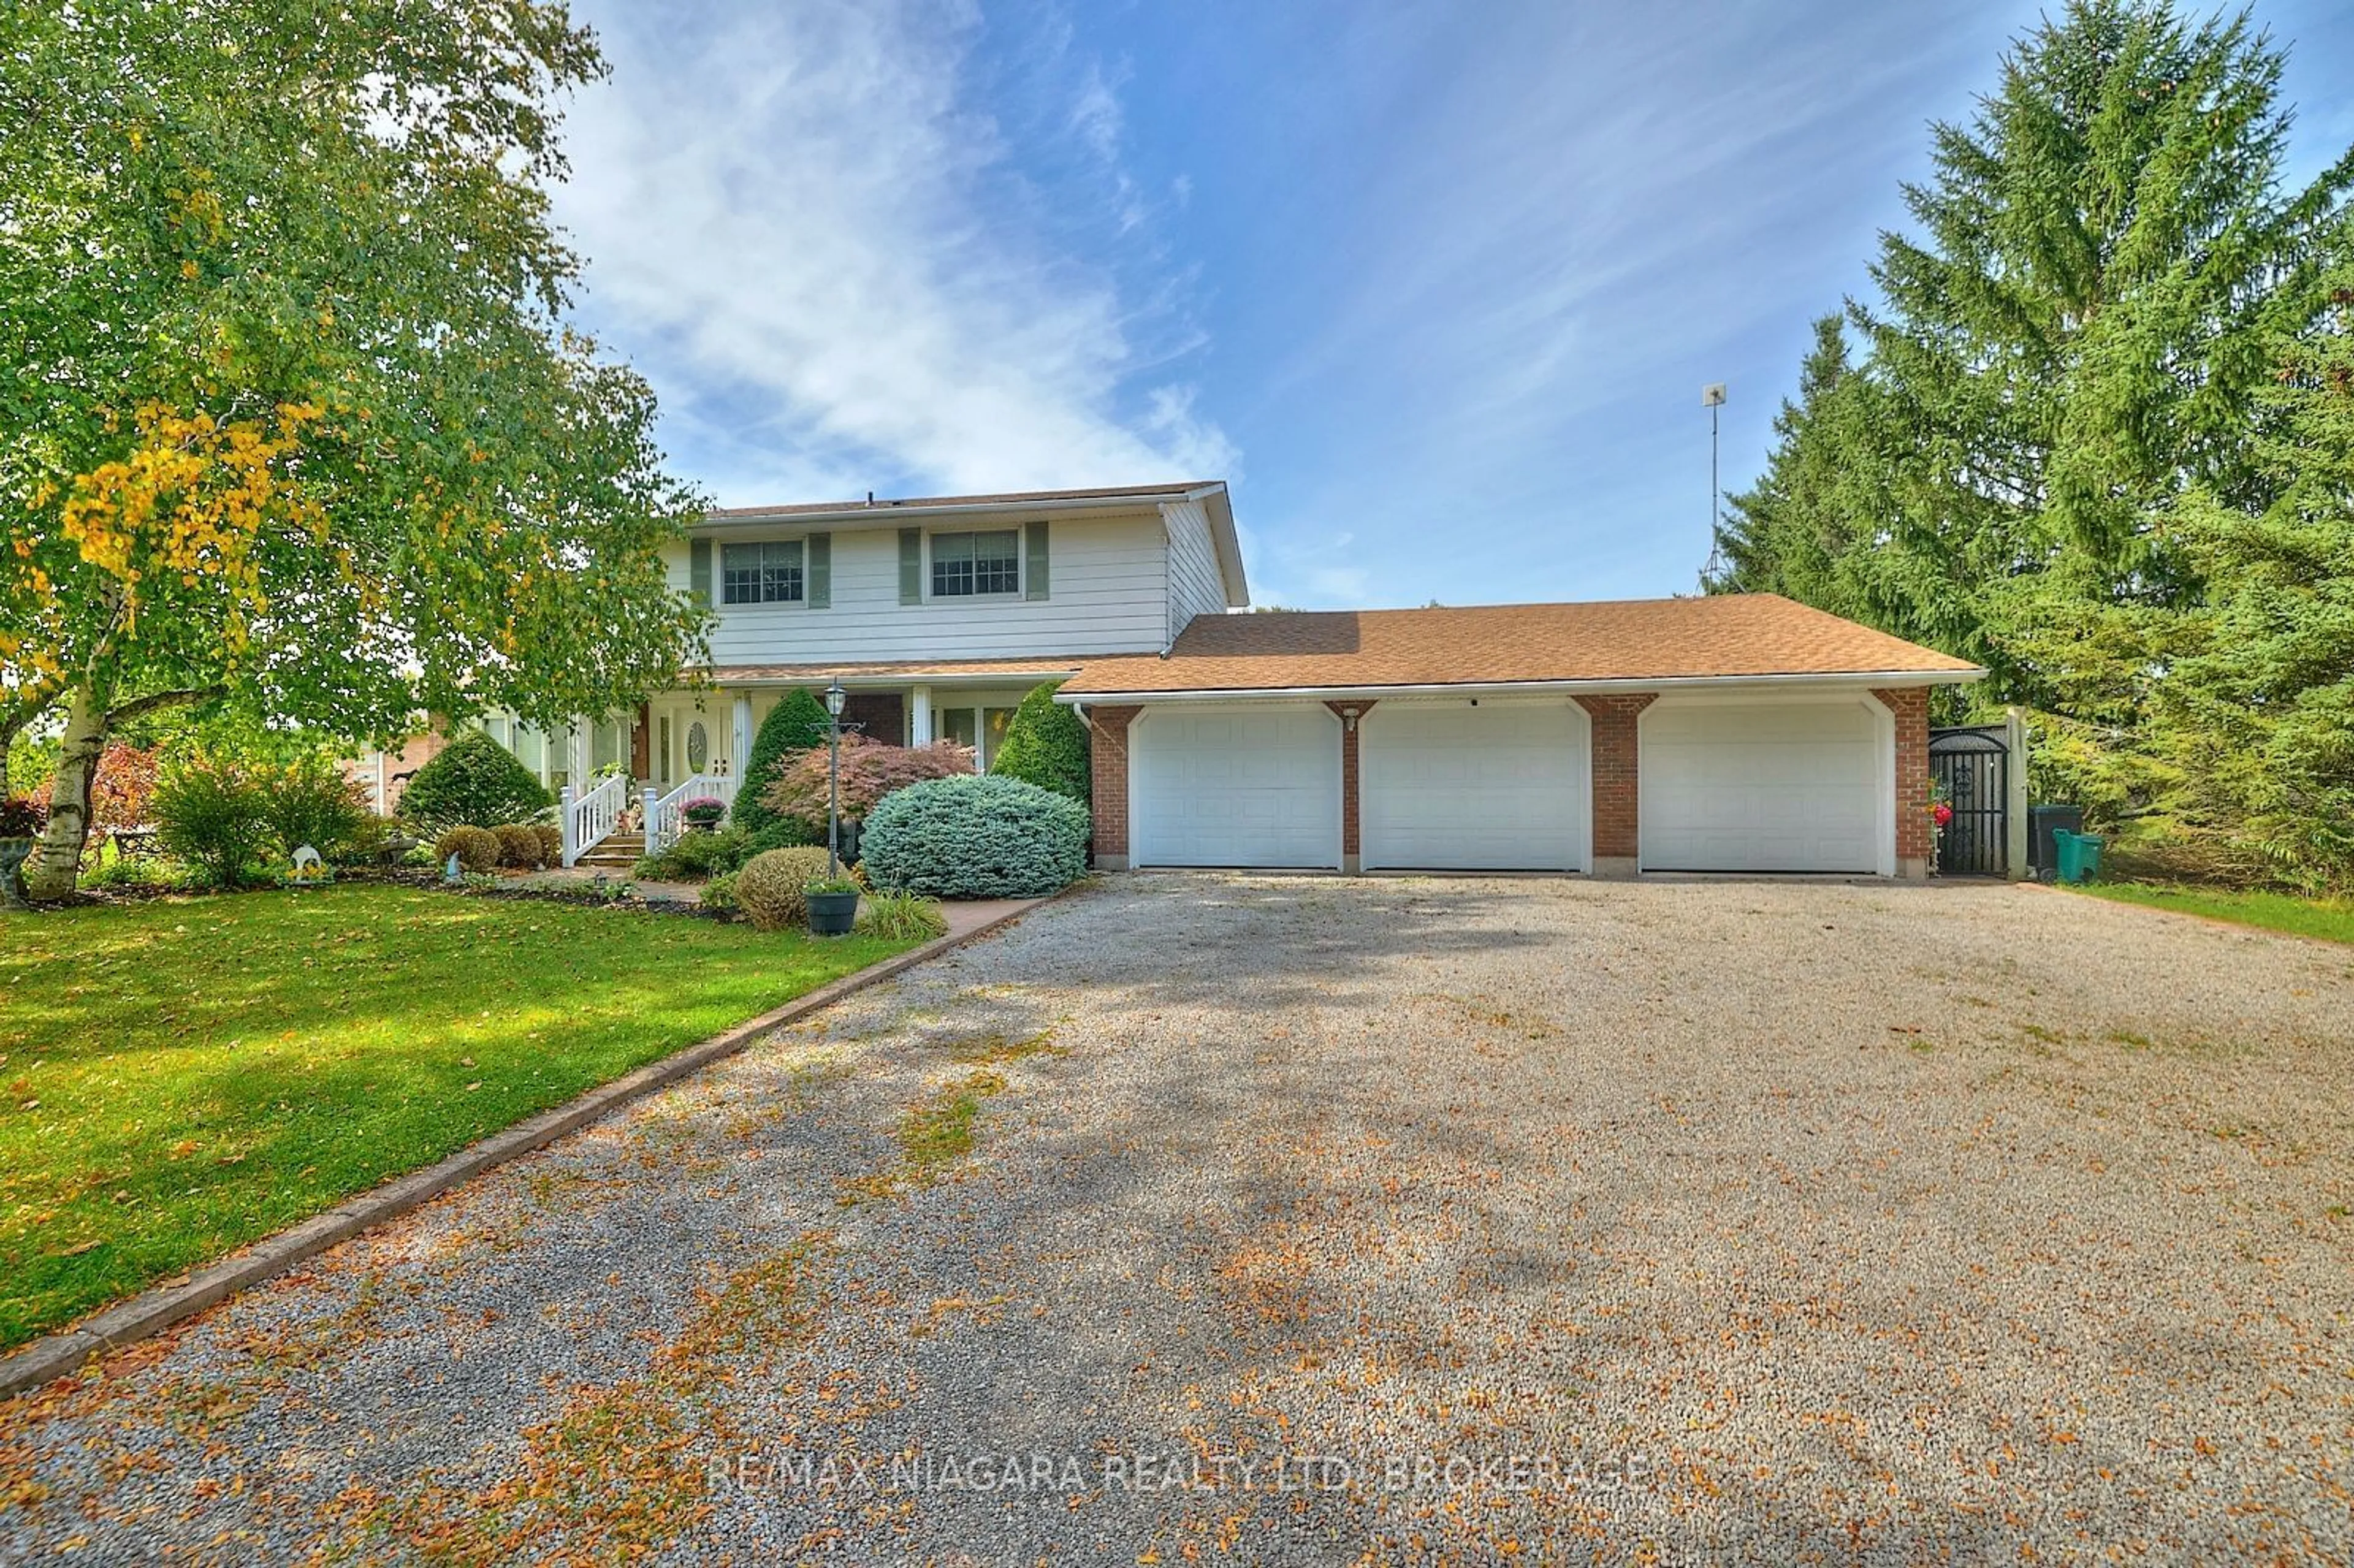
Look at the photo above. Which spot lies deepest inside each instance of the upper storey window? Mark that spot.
(766, 573)
(967, 565)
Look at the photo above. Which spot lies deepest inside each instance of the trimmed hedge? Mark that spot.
(474, 780)
(477, 849)
(970, 836)
(519, 846)
(1047, 745)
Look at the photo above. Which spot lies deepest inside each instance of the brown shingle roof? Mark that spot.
(1625, 640)
(1115, 492)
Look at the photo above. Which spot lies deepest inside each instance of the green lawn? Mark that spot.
(2272, 911)
(177, 1078)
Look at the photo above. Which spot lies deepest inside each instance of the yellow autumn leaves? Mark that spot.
(188, 504)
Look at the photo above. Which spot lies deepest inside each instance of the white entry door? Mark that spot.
(1235, 785)
(1499, 787)
(1767, 785)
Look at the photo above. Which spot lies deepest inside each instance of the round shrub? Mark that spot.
(519, 847)
(551, 843)
(474, 780)
(477, 849)
(976, 837)
(1047, 746)
(772, 888)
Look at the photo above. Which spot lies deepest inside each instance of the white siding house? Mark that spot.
(938, 615)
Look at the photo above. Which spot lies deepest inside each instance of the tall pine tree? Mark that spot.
(2106, 262)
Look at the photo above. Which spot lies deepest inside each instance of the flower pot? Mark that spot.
(13, 853)
(832, 914)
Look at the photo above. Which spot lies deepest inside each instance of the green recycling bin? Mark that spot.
(2079, 856)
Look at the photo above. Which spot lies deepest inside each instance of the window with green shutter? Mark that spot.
(911, 566)
(1034, 564)
(821, 571)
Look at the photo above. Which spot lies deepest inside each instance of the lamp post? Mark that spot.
(835, 697)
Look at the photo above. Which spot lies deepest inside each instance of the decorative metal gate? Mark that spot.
(1973, 765)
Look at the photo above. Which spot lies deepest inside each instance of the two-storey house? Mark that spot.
(1731, 733)
(936, 615)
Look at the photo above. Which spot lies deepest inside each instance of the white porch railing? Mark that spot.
(666, 814)
(587, 819)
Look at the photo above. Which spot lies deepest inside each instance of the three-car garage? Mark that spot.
(1505, 783)
(1736, 733)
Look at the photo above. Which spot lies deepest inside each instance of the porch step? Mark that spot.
(617, 850)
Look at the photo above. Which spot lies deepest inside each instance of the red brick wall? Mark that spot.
(1911, 706)
(1617, 794)
(1348, 772)
(1108, 759)
(413, 754)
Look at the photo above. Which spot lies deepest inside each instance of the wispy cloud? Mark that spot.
(806, 227)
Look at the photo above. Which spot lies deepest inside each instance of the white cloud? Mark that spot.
(824, 254)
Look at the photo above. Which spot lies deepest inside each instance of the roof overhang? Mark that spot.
(1854, 680)
(894, 514)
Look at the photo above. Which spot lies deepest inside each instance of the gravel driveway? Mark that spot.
(1696, 1221)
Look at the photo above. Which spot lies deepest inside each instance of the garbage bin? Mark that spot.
(2043, 824)
(2079, 855)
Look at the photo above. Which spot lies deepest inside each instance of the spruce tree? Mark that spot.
(2105, 262)
(2255, 717)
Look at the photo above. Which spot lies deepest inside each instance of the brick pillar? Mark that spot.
(1352, 857)
(1617, 797)
(1911, 707)
(1108, 759)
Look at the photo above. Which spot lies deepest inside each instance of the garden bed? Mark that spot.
(181, 1076)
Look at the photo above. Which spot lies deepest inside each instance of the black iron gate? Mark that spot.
(1973, 766)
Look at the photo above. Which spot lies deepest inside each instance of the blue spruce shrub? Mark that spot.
(975, 836)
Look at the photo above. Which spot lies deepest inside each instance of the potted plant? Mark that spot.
(703, 813)
(19, 822)
(832, 906)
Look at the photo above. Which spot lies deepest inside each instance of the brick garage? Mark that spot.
(1737, 734)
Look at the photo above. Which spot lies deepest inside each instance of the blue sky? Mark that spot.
(1434, 284)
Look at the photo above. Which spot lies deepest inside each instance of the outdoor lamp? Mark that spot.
(835, 697)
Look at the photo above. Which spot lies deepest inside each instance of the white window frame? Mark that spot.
(800, 601)
(931, 564)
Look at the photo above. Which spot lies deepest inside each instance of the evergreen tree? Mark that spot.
(2108, 263)
(2255, 717)
(795, 725)
(1047, 745)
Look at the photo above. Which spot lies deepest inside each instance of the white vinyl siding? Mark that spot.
(1767, 785)
(1111, 596)
(1500, 786)
(1194, 587)
(1235, 784)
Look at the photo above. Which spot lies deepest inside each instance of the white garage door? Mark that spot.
(1234, 786)
(1501, 786)
(1765, 787)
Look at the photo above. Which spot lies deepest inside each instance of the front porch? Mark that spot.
(630, 776)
